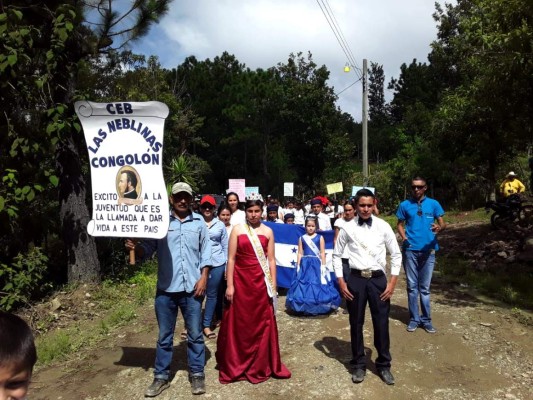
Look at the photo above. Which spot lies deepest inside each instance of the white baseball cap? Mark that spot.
(181, 187)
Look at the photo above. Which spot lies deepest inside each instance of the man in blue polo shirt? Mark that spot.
(184, 258)
(419, 222)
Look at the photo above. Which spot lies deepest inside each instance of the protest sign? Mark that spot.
(288, 189)
(251, 192)
(334, 188)
(125, 146)
(237, 186)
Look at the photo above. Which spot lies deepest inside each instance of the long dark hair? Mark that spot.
(312, 218)
(252, 203)
(238, 200)
(223, 207)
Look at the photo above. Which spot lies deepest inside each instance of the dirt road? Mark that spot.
(480, 351)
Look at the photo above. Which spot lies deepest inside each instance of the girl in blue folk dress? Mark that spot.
(312, 292)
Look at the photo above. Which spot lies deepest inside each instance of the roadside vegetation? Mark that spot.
(95, 312)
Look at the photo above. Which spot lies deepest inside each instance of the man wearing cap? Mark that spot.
(184, 258)
(367, 241)
(511, 185)
(324, 223)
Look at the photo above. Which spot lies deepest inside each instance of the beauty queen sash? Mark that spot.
(309, 242)
(369, 251)
(324, 276)
(260, 254)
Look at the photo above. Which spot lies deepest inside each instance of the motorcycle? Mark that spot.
(509, 212)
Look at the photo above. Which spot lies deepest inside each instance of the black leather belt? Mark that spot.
(367, 273)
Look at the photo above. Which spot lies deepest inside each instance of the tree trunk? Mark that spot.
(82, 257)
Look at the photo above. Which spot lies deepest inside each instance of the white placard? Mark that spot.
(288, 189)
(238, 186)
(125, 145)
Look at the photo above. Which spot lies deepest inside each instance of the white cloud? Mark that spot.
(262, 33)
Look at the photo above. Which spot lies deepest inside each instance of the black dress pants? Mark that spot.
(368, 290)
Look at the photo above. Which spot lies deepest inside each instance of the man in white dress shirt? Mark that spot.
(367, 241)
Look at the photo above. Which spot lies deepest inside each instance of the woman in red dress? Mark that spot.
(248, 346)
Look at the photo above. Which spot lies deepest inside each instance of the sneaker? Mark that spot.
(157, 386)
(358, 375)
(412, 326)
(197, 384)
(429, 328)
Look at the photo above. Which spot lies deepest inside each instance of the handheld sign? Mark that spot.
(288, 189)
(237, 186)
(334, 188)
(125, 146)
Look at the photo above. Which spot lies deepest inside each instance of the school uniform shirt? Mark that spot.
(299, 216)
(340, 223)
(377, 238)
(324, 223)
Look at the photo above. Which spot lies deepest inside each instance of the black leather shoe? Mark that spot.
(358, 375)
(386, 376)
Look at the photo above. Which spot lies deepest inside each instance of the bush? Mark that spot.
(22, 279)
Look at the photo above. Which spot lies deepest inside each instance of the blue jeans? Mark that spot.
(216, 274)
(166, 311)
(418, 270)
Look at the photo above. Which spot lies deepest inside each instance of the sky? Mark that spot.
(263, 33)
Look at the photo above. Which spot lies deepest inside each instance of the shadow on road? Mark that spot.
(142, 357)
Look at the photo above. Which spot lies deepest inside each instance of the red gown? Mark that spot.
(248, 346)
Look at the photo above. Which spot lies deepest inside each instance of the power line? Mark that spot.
(348, 87)
(336, 23)
(338, 35)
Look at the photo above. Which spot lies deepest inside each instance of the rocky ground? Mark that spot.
(480, 351)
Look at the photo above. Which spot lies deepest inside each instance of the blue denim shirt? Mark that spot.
(182, 254)
(219, 242)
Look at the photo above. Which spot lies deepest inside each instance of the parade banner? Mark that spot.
(125, 146)
(237, 186)
(355, 189)
(334, 188)
(288, 189)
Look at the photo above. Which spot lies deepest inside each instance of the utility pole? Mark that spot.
(365, 123)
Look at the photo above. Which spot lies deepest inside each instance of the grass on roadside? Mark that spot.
(450, 217)
(115, 303)
(508, 283)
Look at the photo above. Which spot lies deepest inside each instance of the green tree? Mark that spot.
(490, 44)
(45, 47)
(309, 116)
